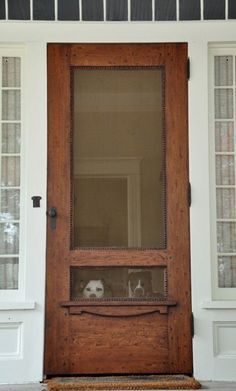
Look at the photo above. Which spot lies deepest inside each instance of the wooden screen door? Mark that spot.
(118, 275)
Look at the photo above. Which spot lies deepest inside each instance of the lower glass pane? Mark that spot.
(118, 283)
(227, 272)
(10, 171)
(225, 174)
(225, 204)
(224, 136)
(10, 204)
(9, 273)
(226, 237)
(9, 238)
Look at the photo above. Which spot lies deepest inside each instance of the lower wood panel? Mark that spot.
(126, 345)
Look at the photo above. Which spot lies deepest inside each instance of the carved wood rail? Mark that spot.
(118, 308)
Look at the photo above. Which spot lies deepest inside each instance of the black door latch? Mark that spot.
(36, 201)
(52, 213)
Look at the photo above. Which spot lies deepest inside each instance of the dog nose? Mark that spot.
(92, 295)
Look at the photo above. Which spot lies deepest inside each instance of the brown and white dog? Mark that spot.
(94, 289)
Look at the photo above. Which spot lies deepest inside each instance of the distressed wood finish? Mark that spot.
(119, 345)
(117, 307)
(148, 341)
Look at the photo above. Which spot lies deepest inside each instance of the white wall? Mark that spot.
(208, 362)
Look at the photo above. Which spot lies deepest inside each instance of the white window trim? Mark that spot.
(217, 292)
(16, 295)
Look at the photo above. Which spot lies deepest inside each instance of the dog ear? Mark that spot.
(103, 282)
(82, 285)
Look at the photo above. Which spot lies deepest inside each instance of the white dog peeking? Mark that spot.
(94, 289)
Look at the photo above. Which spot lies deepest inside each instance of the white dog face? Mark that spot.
(93, 289)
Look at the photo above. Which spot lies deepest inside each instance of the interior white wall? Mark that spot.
(34, 36)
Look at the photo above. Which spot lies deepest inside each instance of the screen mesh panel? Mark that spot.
(118, 283)
(118, 158)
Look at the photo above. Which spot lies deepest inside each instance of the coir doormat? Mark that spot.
(146, 382)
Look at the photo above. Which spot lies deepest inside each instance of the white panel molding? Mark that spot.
(224, 340)
(17, 305)
(11, 341)
(219, 304)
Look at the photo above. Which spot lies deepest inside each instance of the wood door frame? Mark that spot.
(177, 260)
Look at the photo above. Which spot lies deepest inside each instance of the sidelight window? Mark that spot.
(10, 170)
(223, 117)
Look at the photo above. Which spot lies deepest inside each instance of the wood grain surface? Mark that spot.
(89, 343)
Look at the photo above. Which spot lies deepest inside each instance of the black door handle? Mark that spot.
(52, 213)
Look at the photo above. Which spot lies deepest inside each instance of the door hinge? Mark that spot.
(192, 325)
(188, 68)
(189, 194)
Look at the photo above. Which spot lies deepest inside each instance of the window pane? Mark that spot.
(9, 238)
(189, 10)
(19, 10)
(226, 237)
(92, 10)
(165, 9)
(43, 9)
(224, 103)
(225, 202)
(227, 272)
(224, 136)
(119, 162)
(214, 9)
(10, 171)
(11, 105)
(225, 170)
(223, 70)
(118, 282)
(10, 204)
(9, 273)
(11, 138)
(68, 10)
(11, 71)
(117, 10)
(141, 9)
